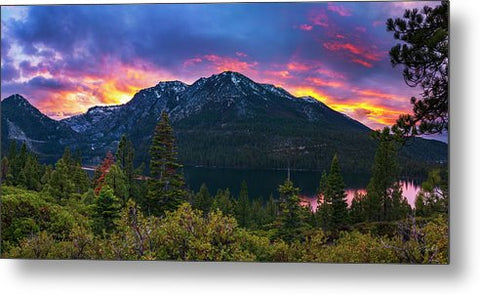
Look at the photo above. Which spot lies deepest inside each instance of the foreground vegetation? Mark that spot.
(60, 213)
(35, 227)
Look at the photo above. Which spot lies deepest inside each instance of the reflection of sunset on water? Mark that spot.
(409, 191)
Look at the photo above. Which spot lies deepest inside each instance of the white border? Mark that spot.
(461, 277)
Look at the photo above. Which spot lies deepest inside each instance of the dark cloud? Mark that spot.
(47, 83)
(9, 72)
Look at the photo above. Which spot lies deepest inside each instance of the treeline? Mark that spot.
(59, 212)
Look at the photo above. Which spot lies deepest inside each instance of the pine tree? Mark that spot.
(19, 165)
(384, 177)
(80, 178)
(423, 53)
(203, 200)
(324, 203)
(400, 207)
(433, 197)
(336, 192)
(291, 220)
(258, 214)
(223, 202)
(13, 169)
(271, 210)
(47, 175)
(31, 172)
(243, 207)
(166, 186)
(117, 181)
(106, 210)
(60, 185)
(124, 159)
(357, 208)
(5, 170)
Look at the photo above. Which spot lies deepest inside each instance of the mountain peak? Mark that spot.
(17, 99)
(232, 74)
(170, 83)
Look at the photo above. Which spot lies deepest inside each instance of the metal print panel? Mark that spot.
(268, 132)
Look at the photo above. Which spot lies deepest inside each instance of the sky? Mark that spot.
(65, 59)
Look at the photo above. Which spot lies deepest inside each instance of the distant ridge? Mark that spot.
(225, 120)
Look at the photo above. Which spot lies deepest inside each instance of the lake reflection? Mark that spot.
(261, 183)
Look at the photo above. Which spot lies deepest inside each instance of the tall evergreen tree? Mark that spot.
(357, 208)
(332, 210)
(223, 201)
(13, 169)
(271, 210)
(124, 159)
(292, 223)
(400, 207)
(433, 197)
(5, 170)
(243, 207)
(258, 214)
(166, 186)
(106, 210)
(203, 200)
(324, 203)
(423, 52)
(117, 181)
(384, 177)
(338, 196)
(60, 185)
(31, 172)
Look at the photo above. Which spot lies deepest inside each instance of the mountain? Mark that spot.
(228, 120)
(22, 122)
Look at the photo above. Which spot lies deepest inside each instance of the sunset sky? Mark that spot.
(65, 59)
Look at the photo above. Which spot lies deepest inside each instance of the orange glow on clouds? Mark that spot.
(224, 63)
(308, 91)
(369, 113)
(359, 54)
(297, 66)
(321, 82)
(362, 62)
(118, 87)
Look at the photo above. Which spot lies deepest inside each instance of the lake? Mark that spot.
(262, 182)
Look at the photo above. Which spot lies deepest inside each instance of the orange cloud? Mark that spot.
(375, 116)
(362, 62)
(335, 46)
(369, 93)
(116, 87)
(278, 74)
(329, 73)
(309, 91)
(321, 82)
(298, 67)
(369, 113)
(356, 50)
(224, 63)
